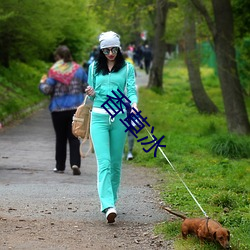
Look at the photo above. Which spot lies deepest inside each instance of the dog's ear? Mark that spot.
(228, 237)
(214, 235)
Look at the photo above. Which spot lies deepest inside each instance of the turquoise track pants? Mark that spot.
(108, 138)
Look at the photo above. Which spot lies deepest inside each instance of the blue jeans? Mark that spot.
(108, 139)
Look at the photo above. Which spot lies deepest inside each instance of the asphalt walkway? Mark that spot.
(30, 189)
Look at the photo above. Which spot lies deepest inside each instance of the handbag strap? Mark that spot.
(84, 140)
(91, 148)
(85, 99)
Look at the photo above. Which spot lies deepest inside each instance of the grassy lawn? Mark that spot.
(214, 164)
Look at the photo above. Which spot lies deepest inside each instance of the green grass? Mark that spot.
(19, 88)
(214, 164)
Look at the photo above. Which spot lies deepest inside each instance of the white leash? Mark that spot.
(180, 178)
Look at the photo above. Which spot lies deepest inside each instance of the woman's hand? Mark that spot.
(90, 91)
(134, 105)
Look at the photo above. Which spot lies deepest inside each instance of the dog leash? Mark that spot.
(172, 166)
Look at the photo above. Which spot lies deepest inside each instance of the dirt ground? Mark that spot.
(40, 209)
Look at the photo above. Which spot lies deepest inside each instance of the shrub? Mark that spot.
(223, 200)
(231, 146)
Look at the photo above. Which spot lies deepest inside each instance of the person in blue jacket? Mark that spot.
(109, 73)
(65, 83)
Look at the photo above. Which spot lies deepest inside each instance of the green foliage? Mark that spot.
(175, 25)
(224, 200)
(128, 18)
(231, 146)
(219, 183)
(241, 17)
(19, 87)
(243, 59)
(176, 18)
(28, 33)
(170, 230)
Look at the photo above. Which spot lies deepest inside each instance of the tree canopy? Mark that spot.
(28, 33)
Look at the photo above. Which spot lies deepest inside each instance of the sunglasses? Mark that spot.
(106, 51)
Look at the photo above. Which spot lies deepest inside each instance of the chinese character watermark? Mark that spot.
(134, 122)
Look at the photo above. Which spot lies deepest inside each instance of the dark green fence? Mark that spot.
(208, 58)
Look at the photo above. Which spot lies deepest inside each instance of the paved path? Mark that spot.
(26, 163)
(27, 160)
(30, 190)
(141, 78)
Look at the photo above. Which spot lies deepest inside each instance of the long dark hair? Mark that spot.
(102, 67)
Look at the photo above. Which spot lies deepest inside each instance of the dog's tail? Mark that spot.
(175, 213)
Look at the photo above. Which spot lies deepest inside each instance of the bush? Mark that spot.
(223, 200)
(231, 146)
(19, 88)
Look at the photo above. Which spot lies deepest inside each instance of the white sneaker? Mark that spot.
(111, 214)
(130, 156)
(58, 171)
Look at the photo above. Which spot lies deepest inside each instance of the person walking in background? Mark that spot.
(138, 53)
(65, 84)
(147, 54)
(109, 73)
(92, 57)
(131, 137)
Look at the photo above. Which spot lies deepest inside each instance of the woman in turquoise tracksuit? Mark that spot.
(109, 73)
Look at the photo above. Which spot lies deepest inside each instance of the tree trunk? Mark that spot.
(201, 99)
(233, 97)
(159, 47)
(223, 38)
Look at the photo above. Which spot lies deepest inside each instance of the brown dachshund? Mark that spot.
(204, 229)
